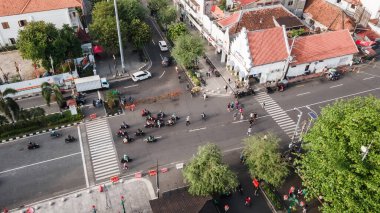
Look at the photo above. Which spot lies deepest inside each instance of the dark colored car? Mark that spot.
(166, 61)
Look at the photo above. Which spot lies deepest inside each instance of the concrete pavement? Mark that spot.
(136, 194)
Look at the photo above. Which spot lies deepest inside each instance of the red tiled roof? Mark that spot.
(329, 15)
(233, 18)
(260, 19)
(323, 46)
(354, 2)
(243, 3)
(267, 46)
(15, 7)
(372, 35)
(217, 12)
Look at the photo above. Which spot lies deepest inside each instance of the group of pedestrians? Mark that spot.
(247, 199)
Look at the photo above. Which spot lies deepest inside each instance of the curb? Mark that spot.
(28, 96)
(39, 132)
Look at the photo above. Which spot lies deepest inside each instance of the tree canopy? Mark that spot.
(176, 30)
(9, 107)
(207, 175)
(167, 15)
(140, 33)
(263, 159)
(155, 5)
(332, 165)
(187, 49)
(41, 42)
(103, 26)
(48, 90)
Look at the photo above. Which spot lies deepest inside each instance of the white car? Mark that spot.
(141, 75)
(163, 46)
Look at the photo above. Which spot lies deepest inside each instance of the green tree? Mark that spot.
(9, 107)
(140, 33)
(52, 89)
(42, 42)
(263, 159)
(167, 15)
(207, 175)
(297, 32)
(111, 97)
(155, 5)
(333, 166)
(3, 120)
(187, 49)
(36, 112)
(176, 30)
(24, 114)
(130, 10)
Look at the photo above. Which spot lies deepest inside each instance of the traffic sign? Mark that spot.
(312, 115)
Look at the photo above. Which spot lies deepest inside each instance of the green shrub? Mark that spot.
(274, 199)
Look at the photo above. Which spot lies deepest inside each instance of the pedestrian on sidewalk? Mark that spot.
(249, 131)
(235, 116)
(204, 96)
(232, 105)
(229, 80)
(241, 116)
(263, 105)
(236, 104)
(256, 184)
(226, 88)
(125, 166)
(188, 120)
(226, 207)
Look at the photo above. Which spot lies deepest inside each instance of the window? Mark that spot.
(22, 23)
(5, 25)
(307, 67)
(290, 3)
(12, 40)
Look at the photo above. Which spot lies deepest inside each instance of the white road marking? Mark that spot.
(135, 85)
(162, 58)
(41, 162)
(83, 159)
(193, 130)
(158, 137)
(302, 85)
(162, 74)
(153, 42)
(336, 86)
(54, 103)
(305, 93)
(368, 78)
(236, 122)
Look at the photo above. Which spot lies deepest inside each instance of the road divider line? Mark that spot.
(162, 74)
(305, 93)
(135, 85)
(193, 130)
(41, 162)
(83, 158)
(336, 86)
(368, 78)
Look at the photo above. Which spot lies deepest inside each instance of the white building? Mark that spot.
(16, 14)
(269, 55)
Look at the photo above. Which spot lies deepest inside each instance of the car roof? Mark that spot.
(139, 73)
(163, 42)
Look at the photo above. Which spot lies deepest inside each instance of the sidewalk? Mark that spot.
(136, 193)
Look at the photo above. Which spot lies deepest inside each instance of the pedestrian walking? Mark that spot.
(251, 115)
(204, 96)
(187, 86)
(232, 105)
(229, 80)
(241, 110)
(229, 107)
(226, 88)
(235, 116)
(240, 189)
(241, 116)
(256, 184)
(188, 120)
(125, 166)
(250, 121)
(263, 105)
(249, 131)
(226, 207)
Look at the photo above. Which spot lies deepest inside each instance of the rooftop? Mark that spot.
(230, 20)
(267, 46)
(323, 46)
(263, 18)
(289, 22)
(180, 201)
(329, 15)
(243, 3)
(16, 7)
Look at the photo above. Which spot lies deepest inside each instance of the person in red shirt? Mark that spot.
(256, 184)
(247, 201)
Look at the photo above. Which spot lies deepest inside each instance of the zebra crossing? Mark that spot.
(102, 150)
(277, 113)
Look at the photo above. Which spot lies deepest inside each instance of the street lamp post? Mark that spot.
(119, 36)
(298, 123)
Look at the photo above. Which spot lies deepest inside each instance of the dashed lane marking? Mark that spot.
(193, 130)
(339, 85)
(305, 93)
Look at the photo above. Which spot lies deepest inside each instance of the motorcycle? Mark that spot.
(174, 117)
(333, 75)
(55, 134)
(33, 145)
(240, 94)
(170, 122)
(161, 115)
(150, 125)
(139, 133)
(145, 112)
(124, 126)
(203, 115)
(125, 159)
(150, 139)
(70, 139)
(127, 139)
(121, 133)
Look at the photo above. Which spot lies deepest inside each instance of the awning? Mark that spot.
(365, 43)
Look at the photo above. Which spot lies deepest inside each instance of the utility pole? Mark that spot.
(119, 36)
(298, 123)
(157, 182)
(288, 60)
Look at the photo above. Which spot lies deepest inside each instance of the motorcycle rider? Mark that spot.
(159, 123)
(150, 138)
(188, 120)
(139, 131)
(203, 116)
(174, 117)
(126, 158)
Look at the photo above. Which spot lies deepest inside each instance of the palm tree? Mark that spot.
(48, 90)
(9, 107)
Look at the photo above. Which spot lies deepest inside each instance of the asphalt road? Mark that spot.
(30, 175)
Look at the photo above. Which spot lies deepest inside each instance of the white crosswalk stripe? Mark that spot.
(277, 113)
(102, 150)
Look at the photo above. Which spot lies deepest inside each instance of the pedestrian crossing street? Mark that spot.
(277, 113)
(102, 150)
